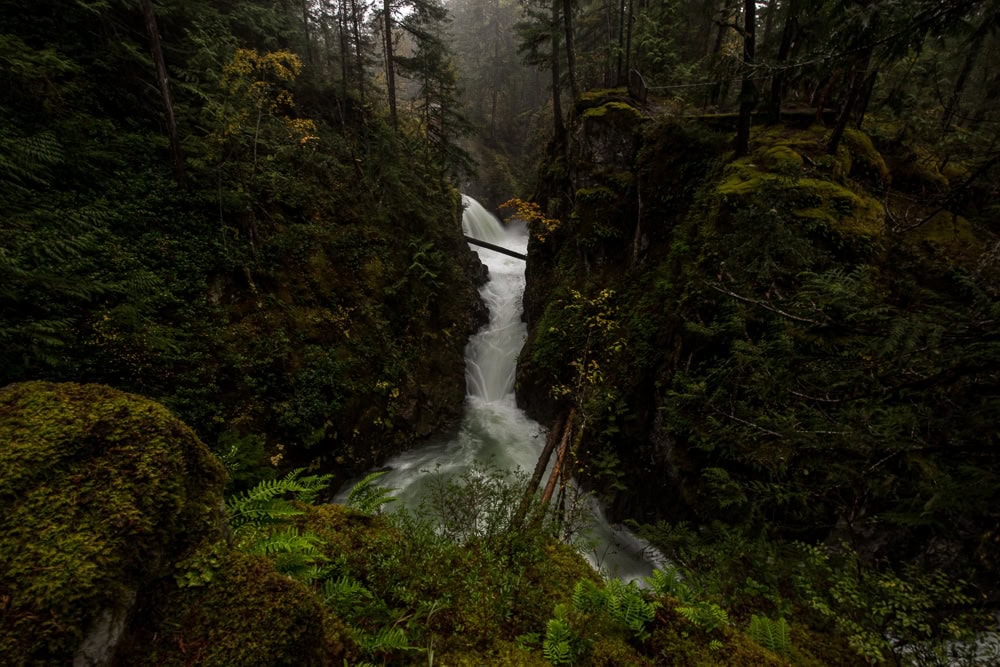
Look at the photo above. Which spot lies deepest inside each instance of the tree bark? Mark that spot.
(858, 81)
(359, 58)
(975, 48)
(168, 104)
(560, 459)
(748, 90)
(540, 466)
(570, 48)
(628, 38)
(772, 9)
(390, 69)
(788, 35)
(558, 127)
(621, 43)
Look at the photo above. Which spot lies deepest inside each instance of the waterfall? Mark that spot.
(494, 431)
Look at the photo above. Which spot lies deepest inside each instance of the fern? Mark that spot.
(267, 504)
(706, 615)
(557, 647)
(772, 635)
(345, 595)
(385, 640)
(628, 607)
(668, 582)
(588, 598)
(367, 497)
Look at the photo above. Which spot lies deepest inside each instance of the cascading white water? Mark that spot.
(494, 431)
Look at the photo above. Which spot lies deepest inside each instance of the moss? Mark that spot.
(678, 641)
(619, 113)
(815, 198)
(867, 164)
(949, 234)
(844, 209)
(914, 170)
(782, 159)
(246, 614)
(743, 177)
(503, 654)
(100, 492)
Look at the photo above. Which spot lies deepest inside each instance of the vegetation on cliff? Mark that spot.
(115, 551)
(288, 275)
(759, 344)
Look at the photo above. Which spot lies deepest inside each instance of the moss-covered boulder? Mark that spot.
(100, 493)
(235, 609)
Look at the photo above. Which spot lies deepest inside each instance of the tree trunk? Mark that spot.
(305, 31)
(559, 129)
(628, 37)
(619, 81)
(748, 90)
(772, 9)
(570, 48)
(866, 97)
(560, 459)
(390, 69)
(788, 35)
(540, 466)
(975, 48)
(359, 57)
(161, 77)
(845, 113)
(858, 81)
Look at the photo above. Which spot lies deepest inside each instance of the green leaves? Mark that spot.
(558, 645)
(772, 635)
(271, 501)
(368, 497)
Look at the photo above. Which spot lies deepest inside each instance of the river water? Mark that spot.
(494, 431)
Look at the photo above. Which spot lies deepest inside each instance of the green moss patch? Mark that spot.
(782, 159)
(619, 113)
(244, 614)
(100, 491)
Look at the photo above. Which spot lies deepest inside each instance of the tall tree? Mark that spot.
(748, 89)
(164, 83)
(567, 11)
(390, 66)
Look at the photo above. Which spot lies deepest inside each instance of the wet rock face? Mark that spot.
(101, 492)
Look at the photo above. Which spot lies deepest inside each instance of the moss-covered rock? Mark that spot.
(242, 613)
(100, 493)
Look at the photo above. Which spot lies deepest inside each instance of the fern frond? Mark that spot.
(772, 635)
(588, 598)
(557, 647)
(265, 503)
(385, 640)
(367, 497)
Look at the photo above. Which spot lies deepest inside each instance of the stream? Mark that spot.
(494, 431)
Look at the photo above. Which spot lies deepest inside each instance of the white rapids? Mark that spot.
(494, 431)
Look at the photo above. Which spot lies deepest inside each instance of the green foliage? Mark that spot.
(273, 501)
(706, 615)
(368, 497)
(558, 645)
(881, 612)
(773, 635)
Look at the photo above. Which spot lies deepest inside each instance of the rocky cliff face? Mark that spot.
(760, 340)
